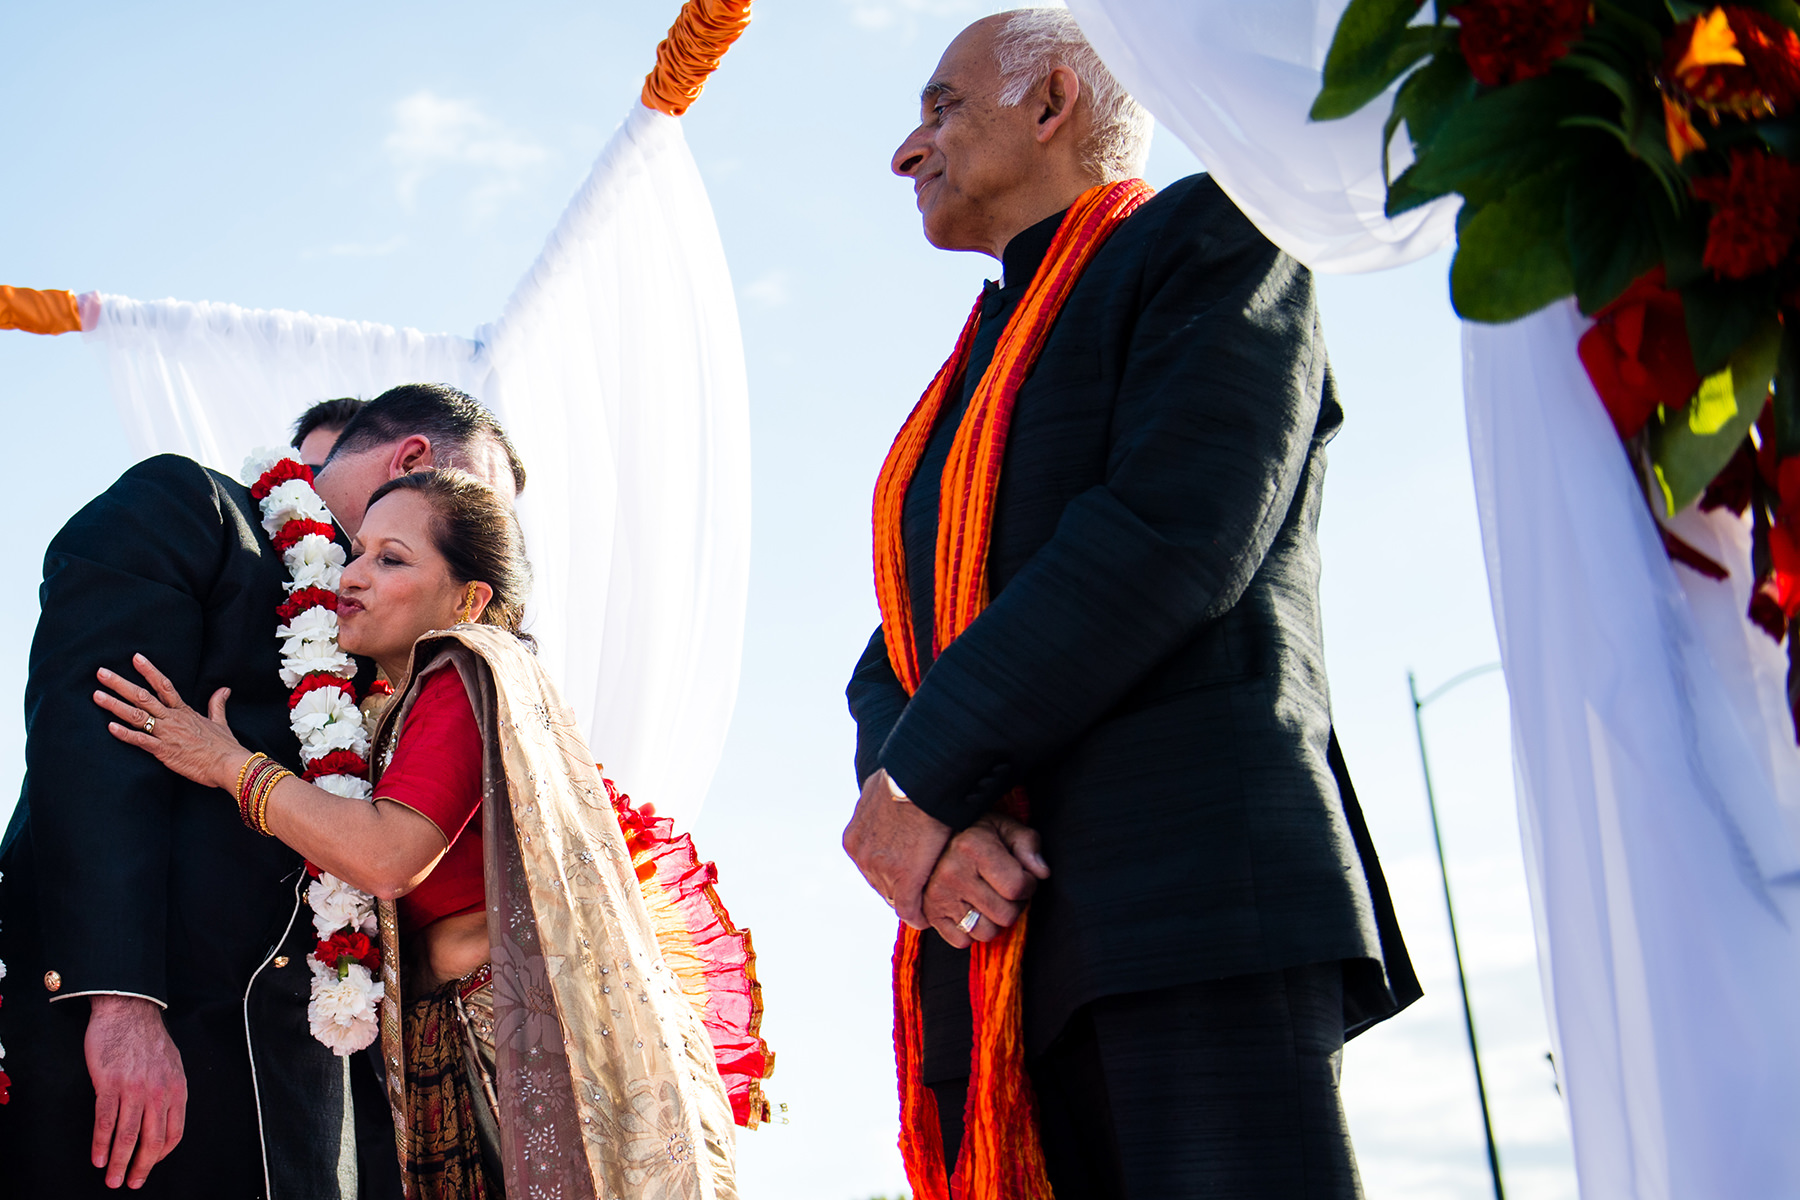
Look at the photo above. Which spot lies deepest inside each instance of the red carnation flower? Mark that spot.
(1505, 41)
(305, 598)
(283, 470)
(347, 943)
(1637, 354)
(338, 762)
(1755, 211)
(312, 869)
(1736, 59)
(315, 680)
(381, 687)
(294, 530)
(5, 1083)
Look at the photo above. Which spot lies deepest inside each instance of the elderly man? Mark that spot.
(1100, 678)
(156, 1012)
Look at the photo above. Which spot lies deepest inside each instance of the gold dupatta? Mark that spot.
(606, 1076)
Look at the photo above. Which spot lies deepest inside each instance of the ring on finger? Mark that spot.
(150, 725)
(970, 920)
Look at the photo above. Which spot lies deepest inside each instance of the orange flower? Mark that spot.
(1735, 60)
(1684, 139)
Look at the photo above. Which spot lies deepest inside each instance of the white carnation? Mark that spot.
(315, 561)
(260, 460)
(340, 735)
(347, 786)
(336, 904)
(370, 925)
(2, 1051)
(2, 970)
(342, 1011)
(294, 499)
(316, 624)
(302, 658)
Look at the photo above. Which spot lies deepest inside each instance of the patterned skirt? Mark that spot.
(453, 1138)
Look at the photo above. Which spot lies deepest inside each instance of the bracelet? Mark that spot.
(265, 787)
(242, 792)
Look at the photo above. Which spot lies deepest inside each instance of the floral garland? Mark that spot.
(1643, 156)
(334, 742)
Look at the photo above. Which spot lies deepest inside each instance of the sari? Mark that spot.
(604, 1083)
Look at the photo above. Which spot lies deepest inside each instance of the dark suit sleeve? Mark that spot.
(1212, 427)
(876, 702)
(127, 574)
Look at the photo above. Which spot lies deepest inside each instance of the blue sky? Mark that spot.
(402, 163)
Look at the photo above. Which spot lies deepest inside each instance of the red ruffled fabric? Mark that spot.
(713, 958)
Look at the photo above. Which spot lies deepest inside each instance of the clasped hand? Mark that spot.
(931, 878)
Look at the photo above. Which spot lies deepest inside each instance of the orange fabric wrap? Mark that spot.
(39, 312)
(1001, 1156)
(698, 40)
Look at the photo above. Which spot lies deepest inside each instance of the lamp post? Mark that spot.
(1462, 979)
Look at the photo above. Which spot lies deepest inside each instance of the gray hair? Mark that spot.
(1031, 43)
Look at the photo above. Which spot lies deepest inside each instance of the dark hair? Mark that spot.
(475, 529)
(452, 419)
(326, 414)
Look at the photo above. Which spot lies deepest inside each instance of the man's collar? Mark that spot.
(1025, 252)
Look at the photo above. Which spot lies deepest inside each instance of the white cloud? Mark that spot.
(433, 132)
(902, 15)
(769, 290)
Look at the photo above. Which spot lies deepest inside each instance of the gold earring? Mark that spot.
(467, 612)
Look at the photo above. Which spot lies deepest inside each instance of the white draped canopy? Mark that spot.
(618, 369)
(1657, 776)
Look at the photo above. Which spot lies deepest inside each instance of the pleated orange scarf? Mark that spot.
(1001, 1156)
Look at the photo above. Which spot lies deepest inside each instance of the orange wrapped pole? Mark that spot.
(39, 312)
(696, 43)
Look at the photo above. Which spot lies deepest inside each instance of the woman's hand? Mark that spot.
(187, 743)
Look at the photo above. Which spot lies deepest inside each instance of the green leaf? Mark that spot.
(1485, 145)
(1722, 314)
(1341, 99)
(1512, 254)
(1611, 229)
(1371, 36)
(1689, 446)
(1425, 102)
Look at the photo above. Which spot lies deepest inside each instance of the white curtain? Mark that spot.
(1657, 776)
(618, 369)
(1234, 81)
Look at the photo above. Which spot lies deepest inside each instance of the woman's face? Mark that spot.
(397, 586)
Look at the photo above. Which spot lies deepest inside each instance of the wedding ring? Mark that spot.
(150, 725)
(969, 921)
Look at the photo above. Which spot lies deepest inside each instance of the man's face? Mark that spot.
(315, 446)
(349, 479)
(970, 155)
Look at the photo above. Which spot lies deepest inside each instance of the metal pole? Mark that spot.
(1462, 979)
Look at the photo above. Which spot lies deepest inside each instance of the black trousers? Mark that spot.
(1226, 1089)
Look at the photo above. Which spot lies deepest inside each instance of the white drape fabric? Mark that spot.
(1657, 776)
(1656, 771)
(1234, 81)
(617, 367)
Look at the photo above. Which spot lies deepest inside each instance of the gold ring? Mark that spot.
(150, 725)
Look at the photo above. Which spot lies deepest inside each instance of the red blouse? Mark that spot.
(436, 772)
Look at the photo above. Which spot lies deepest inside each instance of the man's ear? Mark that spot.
(409, 455)
(1056, 98)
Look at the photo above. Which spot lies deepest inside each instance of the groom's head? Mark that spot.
(408, 428)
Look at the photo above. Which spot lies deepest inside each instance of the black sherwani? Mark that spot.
(1151, 667)
(122, 877)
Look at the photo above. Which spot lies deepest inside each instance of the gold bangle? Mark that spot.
(262, 799)
(243, 771)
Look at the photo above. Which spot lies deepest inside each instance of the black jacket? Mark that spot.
(120, 876)
(1151, 667)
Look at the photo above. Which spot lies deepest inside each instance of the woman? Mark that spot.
(548, 1047)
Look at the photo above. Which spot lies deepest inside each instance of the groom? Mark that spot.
(155, 1011)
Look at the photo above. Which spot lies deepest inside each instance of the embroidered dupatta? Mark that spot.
(605, 1073)
(1001, 1156)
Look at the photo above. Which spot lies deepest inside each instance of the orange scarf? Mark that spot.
(1001, 1157)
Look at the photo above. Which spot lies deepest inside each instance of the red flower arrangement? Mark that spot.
(285, 469)
(1505, 41)
(1637, 354)
(338, 762)
(1737, 60)
(294, 530)
(1755, 211)
(305, 598)
(317, 680)
(349, 946)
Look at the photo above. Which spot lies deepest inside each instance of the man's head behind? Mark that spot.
(1019, 118)
(410, 427)
(317, 430)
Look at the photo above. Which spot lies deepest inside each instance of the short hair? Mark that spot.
(326, 414)
(452, 419)
(1032, 42)
(477, 532)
